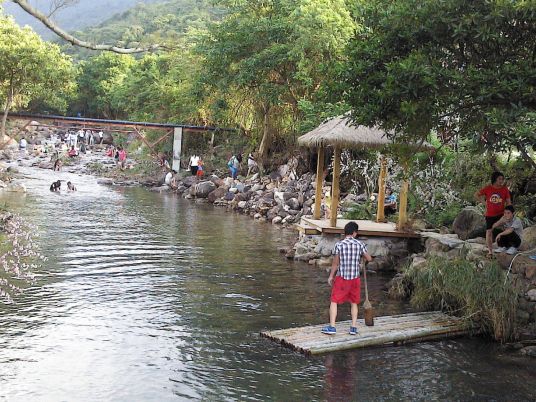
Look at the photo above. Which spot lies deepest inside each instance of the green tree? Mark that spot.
(31, 69)
(463, 69)
(99, 83)
(266, 57)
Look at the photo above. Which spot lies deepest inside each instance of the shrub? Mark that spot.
(481, 294)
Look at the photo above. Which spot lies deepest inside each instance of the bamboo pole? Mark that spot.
(335, 192)
(380, 214)
(319, 180)
(403, 211)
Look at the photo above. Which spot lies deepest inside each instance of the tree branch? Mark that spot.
(58, 5)
(77, 42)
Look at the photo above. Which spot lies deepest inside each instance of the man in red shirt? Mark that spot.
(496, 197)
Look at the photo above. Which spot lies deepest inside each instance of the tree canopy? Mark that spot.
(463, 69)
(31, 69)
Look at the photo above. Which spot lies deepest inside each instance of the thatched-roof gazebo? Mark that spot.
(339, 133)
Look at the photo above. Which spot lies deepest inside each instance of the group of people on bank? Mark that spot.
(501, 223)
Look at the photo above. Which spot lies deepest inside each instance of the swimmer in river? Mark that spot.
(55, 186)
(70, 186)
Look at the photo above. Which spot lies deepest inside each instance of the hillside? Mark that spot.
(83, 14)
(159, 22)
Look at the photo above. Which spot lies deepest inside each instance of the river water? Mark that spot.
(147, 297)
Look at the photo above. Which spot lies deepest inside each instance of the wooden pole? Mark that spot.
(380, 214)
(403, 211)
(335, 192)
(319, 181)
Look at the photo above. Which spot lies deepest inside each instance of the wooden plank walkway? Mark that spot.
(366, 228)
(396, 329)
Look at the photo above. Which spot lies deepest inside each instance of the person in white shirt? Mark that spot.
(509, 239)
(23, 144)
(169, 177)
(194, 164)
(101, 137)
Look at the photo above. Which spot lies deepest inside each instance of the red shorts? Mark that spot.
(346, 290)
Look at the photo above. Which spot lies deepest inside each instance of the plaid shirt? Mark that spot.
(350, 252)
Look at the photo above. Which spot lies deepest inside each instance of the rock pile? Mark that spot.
(280, 200)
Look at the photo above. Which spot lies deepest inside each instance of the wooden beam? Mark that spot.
(403, 209)
(380, 214)
(319, 181)
(335, 192)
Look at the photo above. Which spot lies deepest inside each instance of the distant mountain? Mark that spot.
(161, 22)
(83, 14)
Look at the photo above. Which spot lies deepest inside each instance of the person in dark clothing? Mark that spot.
(55, 186)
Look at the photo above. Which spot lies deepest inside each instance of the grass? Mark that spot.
(459, 287)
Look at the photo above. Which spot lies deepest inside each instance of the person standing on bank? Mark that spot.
(496, 197)
(509, 239)
(346, 285)
(194, 164)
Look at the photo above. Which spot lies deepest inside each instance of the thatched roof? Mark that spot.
(340, 131)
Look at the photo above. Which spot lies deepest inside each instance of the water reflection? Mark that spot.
(148, 297)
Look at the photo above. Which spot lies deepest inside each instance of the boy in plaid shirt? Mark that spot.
(347, 283)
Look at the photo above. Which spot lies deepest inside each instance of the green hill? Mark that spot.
(82, 14)
(163, 22)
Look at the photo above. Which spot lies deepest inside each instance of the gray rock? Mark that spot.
(293, 203)
(15, 188)
(528, 351)
(469, 224)
(277, 220)
(228, 196)
(216, 194)
(529, 238)
(203, 189)
(531, 295)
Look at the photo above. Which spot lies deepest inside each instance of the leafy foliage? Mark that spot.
(465, 69)
(31, 69)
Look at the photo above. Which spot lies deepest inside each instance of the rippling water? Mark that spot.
(148, 297)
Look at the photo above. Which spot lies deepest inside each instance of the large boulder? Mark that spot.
(216, 194)
(469, 224)
(203, 189)
(189, 181)
(529, 238)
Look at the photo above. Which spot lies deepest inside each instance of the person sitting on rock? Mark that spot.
(70, 186)
(168, 178)
(55, 186)
(57, 165)
(509, 239)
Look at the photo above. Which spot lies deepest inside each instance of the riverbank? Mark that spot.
(281, 199)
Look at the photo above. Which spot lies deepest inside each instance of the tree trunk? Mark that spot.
(9, 101)
(266, 137)
(525, 155)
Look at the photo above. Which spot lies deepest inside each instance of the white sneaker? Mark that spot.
(499, 250)
(511, 250)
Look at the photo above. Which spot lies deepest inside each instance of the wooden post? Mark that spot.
(335, 191)
(380, 214)
(403, 210)
(319, 181)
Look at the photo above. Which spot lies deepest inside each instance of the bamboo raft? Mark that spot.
(395, 329)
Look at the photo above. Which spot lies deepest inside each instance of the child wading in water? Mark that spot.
(347, 283)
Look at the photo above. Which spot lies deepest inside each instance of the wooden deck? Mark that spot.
(396, 329)
(366, 228)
